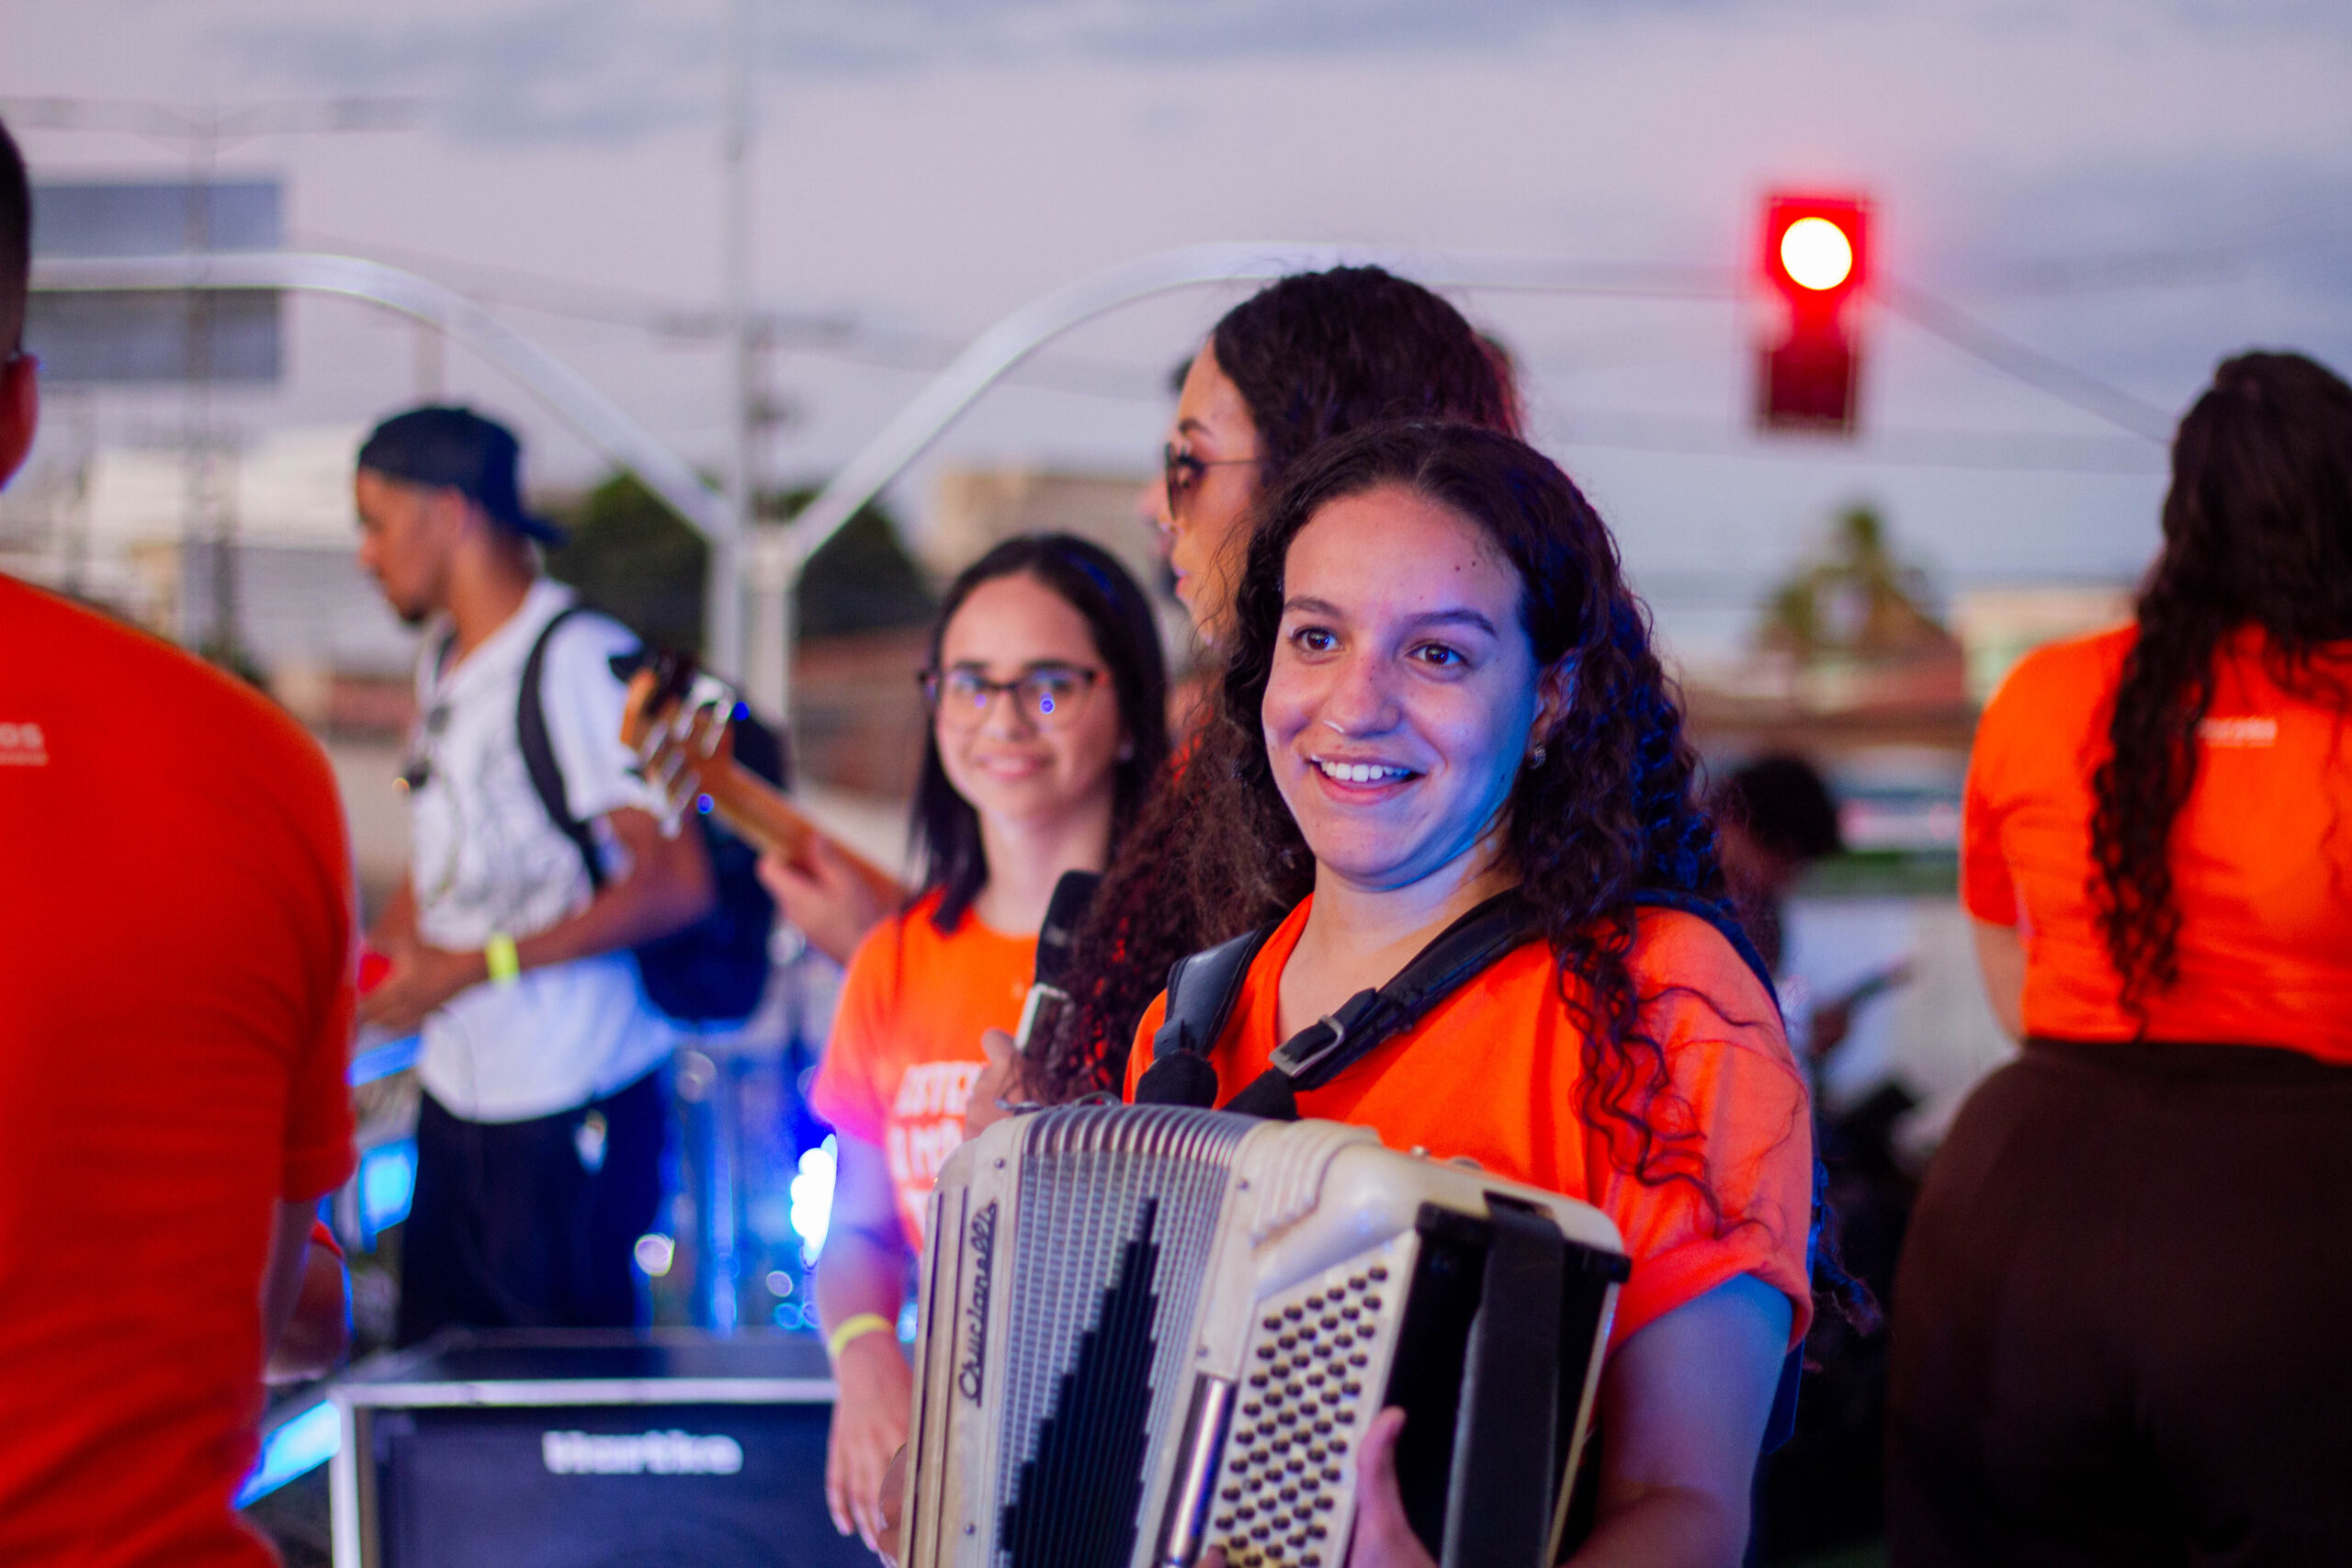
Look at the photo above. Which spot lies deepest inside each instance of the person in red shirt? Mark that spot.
(1441, 691)
(1048, 691)
(176, 1008)
(2118, 1319)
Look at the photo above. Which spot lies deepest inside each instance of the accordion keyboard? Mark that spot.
(1317, 1360)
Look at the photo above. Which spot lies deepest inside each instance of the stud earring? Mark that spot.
(1535, 758)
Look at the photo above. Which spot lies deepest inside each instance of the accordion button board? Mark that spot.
(1149, 1330)
(1289, 1459)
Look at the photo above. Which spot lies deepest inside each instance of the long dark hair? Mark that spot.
(2257, 533)
(1322, 353)
(946, 831)
(1612, 814)
(1313, 356)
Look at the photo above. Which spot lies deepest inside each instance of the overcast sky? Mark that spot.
(2132, 189)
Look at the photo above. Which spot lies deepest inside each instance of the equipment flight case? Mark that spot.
(524, 1448)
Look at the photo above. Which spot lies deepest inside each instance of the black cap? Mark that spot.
(458, 449)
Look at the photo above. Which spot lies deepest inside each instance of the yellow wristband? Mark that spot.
(503, 961)
(854, 1328)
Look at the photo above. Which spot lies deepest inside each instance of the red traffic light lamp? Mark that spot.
(1816, 256)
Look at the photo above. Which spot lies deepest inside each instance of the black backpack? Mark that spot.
(713, 972)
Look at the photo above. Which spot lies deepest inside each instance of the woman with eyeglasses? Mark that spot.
(1304, 359)
(1048, 694)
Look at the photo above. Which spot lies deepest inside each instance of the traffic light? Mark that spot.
(1816, 256)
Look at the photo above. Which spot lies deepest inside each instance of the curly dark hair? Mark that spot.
(1588, 835)
(2257, 533)
(1313, 356)
(946, 831)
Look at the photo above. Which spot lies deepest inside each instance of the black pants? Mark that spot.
(513, 1226)
(2123, 1316)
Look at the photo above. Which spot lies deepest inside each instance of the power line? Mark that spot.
(1997, 451)
(2029, 365)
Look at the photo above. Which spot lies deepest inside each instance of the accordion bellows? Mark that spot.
(1147, 1330)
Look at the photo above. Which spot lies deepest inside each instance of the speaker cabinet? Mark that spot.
(521, 1449)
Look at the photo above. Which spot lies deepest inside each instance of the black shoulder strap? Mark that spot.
(1202, 991)
(538, 750)
(1332, 1044)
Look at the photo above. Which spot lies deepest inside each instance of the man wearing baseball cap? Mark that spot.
(540, 1140)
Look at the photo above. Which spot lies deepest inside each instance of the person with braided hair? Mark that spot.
(1440, 694)
(2119, 1317)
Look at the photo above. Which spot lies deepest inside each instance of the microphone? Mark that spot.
(1057, 942)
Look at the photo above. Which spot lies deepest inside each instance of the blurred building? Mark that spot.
(1997, 627)
(972, 508)
(1848, 654)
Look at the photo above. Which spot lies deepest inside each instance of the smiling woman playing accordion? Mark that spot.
(1452, 752)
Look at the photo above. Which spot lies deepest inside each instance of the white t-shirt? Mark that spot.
(485, 857)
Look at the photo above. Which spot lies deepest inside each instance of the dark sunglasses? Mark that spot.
(1180, 472)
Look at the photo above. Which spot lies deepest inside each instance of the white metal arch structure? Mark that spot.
(1014, 338)
(570, 396)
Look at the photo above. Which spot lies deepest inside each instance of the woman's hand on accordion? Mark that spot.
(1383, 1537)
(999, 1085)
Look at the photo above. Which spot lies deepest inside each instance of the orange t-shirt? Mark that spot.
(906, 1043)
(2261, 853)
(175, 1003)
(1514, 1106)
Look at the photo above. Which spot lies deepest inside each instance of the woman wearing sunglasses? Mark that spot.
(1048, 694)
(1304, 359)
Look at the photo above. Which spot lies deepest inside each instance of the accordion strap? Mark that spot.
(1204, 988)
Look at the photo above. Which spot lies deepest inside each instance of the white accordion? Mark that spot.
(1147, 1330)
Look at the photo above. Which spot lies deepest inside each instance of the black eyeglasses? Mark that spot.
(1180, 472)
(1047, 697)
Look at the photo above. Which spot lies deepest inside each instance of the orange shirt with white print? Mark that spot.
(906, 1043)
(1495, 1071)
(2261, 852)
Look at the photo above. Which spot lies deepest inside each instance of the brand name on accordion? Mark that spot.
(976, 1312)
(640, 1453)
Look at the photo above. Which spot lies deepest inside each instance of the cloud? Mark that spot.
(573, 70)
(616, 70)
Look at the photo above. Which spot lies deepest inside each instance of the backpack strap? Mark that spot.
(538, 750)
(1202, 991)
